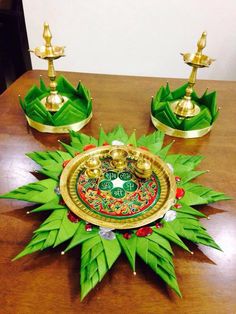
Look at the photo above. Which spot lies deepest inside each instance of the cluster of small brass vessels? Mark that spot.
(119, 157)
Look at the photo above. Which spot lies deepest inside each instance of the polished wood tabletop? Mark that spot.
(46, 282)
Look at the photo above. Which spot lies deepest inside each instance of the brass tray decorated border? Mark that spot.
(161, 176)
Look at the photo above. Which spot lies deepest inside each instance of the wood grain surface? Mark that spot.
(46, 282)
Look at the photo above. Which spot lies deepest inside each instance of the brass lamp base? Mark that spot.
(185, 108)
(54, 101)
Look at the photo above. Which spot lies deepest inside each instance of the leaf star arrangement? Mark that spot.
(101, 246)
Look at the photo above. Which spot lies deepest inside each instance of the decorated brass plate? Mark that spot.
(116, 197)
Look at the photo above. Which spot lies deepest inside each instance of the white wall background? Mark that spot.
(136, 37)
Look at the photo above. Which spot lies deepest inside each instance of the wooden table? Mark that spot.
(47, 282)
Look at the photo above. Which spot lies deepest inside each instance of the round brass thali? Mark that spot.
(117, 199)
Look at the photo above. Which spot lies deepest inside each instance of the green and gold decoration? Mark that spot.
(117, 194)
(60, 107)
(182, 113)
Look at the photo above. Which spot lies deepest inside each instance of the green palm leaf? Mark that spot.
(129, 248)
(54, 204)
(186, 209)
(118, 134)
(51, 162)
(39, 192)
(168, 233)
(192, 231)
(159, 260)
(102, 138)
(56, 229)
(152, 141)
(196, 194)
(97, 257)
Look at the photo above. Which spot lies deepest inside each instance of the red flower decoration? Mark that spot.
(105, 144)
(127, 235)
(180, 193)
(144, 232)
(159, 225)
(177, 205)
(88, 227)
(72, 217)
(177, 179)
(89, 146)
(144, 148)
(65, 163)
(62, 202)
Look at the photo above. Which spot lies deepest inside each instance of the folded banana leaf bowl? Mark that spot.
(166, 120)
(73, 115)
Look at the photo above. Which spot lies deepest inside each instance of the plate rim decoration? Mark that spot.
(164, 175)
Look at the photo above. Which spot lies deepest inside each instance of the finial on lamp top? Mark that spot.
(201, 44)
(47, 34)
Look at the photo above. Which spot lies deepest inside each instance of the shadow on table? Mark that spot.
(209, 210)
(21, 214)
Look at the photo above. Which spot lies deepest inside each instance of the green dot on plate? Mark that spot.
(118, 192)
(110, 175)
(125, 175)
(130, 186)
(105, 185)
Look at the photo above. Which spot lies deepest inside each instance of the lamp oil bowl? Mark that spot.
(93, 166)
(143, 168)
(186, 107)
(54, 101)
(119, 158)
